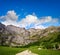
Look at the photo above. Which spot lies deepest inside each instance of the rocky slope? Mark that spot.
(14, 36)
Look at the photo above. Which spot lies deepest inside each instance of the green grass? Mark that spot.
(44, 51)
(9, 50)
(34, 49)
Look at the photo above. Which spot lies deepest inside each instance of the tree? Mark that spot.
(56, 46)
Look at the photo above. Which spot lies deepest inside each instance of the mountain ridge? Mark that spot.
(16, 36)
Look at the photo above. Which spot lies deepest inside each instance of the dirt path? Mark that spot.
(26, 52)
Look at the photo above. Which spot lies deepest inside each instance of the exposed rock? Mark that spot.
(16, 36)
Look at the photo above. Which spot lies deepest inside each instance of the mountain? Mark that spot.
(15, 36)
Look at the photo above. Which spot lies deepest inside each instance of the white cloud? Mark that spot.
(29, 19)
(46, 19)
(11, 19)
(34, 19)
(39, 27)
(11, 15)
(9, 22)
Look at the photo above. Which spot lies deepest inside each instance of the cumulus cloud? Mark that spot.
(34, 19)
(29, 19)
(11, 15)
(11, 19)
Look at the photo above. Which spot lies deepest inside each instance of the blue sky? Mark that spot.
(38, 13)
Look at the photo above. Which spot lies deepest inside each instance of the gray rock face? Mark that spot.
(12, 35)
(2, 27)
(15, 36)
(20, 35)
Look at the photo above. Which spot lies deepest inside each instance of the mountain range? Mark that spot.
(15, 36)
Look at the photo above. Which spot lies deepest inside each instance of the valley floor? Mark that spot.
(32, 50)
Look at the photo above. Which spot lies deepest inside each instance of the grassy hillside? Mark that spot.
(51, 40)
(51, 37)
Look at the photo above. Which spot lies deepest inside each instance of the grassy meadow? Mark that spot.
(44, 51)
(9, 50)
(34, 49)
